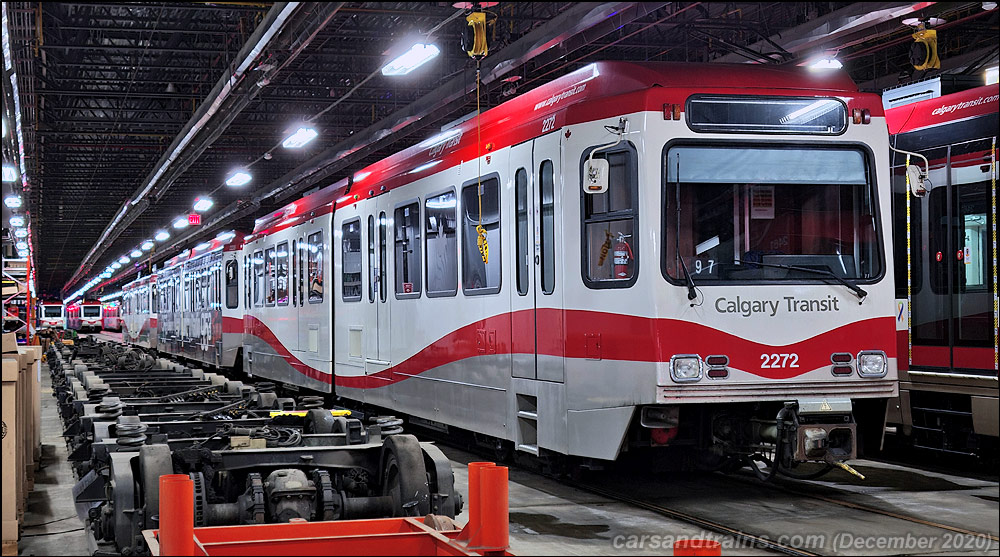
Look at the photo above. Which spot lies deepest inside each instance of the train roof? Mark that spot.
(231, 243)
(599, 90)
(945, 109)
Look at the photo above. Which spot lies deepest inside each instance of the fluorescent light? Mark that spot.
(105, 274)
(13, 201)
(17, 221)
(992, 75)
(826, 64)
(124, 259)
(116, 265)
(202, 204)
(162, 236)
(9, 173)
(180, 223)
(203, 245)
(23, 254)
(21, 246)
(21, 232)
(147, 245)
(225, 236)
(136, 253)
(299, 138)
(239, 179)
(418, 55)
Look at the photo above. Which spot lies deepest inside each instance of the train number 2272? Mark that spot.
(777, 361)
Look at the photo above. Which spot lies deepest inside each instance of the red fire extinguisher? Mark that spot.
(622, 254)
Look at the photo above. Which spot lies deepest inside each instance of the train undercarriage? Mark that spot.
(254, 457)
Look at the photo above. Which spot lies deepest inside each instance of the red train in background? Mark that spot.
(946, 272)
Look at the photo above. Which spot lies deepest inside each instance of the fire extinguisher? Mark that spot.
(622, 254)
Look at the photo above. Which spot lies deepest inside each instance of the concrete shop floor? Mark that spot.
(551, 518)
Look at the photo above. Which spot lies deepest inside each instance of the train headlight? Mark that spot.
(872, 363)
(685, 368)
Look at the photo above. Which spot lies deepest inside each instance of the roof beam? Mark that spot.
(838, 28)
(576, 27)
(283, 34)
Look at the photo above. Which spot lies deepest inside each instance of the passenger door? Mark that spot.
(377, 229)
(538, 330)
(952, 321)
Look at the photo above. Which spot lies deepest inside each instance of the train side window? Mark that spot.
(295, 266)
(315, 267)
(546, 202)
(281, 268)
(258, 279)
(406, 224)
(481, 276)
(270, 276)
(610, 220)
(523, 252)
(302, 272)
(441, 244)
(382, 240)
(232, 284)
(351, 264)
(372, 267)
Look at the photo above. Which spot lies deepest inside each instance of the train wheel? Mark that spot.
(404, 476)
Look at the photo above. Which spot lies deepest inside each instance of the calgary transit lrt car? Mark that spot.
(946, 273)
(723, 284)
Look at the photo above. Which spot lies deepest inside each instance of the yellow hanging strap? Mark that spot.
(484, 246)
(478, 48)
(605, 248)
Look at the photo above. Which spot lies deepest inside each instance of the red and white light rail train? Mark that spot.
(633, 255)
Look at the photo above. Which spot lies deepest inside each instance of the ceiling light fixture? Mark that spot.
(147, 245)
(162, 236)
(9, 173)
(301, 136)
(202, 204)
(136, 253)
(418, 55)
(21, 246)
(180, 223)
(826, 64)
(17, 221)
(124, 259)
(240, 178)
(21, 232)
(116, 265)
(12, 201)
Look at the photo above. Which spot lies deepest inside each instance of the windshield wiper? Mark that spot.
(688, 280)
(858, 291)
(677, 237)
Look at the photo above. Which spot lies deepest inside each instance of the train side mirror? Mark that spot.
(916, 179)
(595, 176)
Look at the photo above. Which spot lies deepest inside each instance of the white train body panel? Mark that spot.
(138, 313)
(535, 354)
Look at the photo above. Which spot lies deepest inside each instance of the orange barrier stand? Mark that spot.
(385, 536)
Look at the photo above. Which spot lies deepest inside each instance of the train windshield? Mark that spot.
(52, 311)
(794, 210)
(91, 311)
